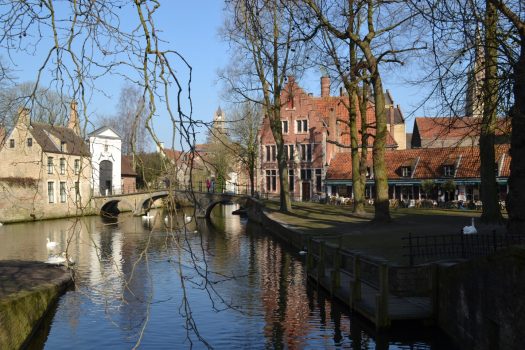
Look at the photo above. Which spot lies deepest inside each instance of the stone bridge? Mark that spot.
(140, 202)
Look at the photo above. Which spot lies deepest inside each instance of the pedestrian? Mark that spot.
(208, 184)
(213, 185)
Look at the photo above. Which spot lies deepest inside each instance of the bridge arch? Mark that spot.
(111, 207)
(226, 199)
(145, 204)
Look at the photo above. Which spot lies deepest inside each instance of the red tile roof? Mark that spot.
(427, 163)
(126, 166)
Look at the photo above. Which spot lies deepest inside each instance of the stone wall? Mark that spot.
(482, 302)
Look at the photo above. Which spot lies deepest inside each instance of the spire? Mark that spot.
(474, 101)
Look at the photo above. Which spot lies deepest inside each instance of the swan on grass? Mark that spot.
(51, 245)
(470, 230)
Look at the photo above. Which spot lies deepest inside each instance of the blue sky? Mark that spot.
(191, 28)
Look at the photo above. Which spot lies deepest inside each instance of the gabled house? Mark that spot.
(46, 170)
(106, 150)
(315, 130)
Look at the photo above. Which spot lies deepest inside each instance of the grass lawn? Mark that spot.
(382, 240)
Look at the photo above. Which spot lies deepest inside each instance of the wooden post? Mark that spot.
(382, 317)
(355, 285)
(320, 264)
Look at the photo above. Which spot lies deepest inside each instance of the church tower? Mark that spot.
(474, 101)
(219, 121)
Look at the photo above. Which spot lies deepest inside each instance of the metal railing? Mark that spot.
(456, 246)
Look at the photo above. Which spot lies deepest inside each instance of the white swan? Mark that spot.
(303, 252)
(60, 259)
(188, 219)
(470, 230)
(51, 245)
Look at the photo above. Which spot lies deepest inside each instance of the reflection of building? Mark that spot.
(45, 170)
(314, 128)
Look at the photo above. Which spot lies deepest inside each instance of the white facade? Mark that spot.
(105, 146)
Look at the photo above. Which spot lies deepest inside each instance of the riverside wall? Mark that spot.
(28, 290)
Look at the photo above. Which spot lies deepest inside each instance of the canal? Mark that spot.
(160, 284)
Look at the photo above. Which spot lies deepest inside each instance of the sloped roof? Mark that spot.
(429, 165)
(101, 130)
(454, 128)
(126, 166)
(75, 145)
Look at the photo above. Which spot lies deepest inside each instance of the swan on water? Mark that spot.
(61, 259)
(51, 245)
(469, 230)
(188, 219)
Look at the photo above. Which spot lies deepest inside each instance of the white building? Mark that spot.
(105, 146)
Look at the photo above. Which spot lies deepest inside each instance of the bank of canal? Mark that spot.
(228, 286)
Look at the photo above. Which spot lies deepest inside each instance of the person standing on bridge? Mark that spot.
(213, 185)
(208, 184)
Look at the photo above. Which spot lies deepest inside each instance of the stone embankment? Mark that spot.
(28, 289)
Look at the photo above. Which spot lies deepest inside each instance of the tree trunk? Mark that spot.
(381, 203)
(489, 187)
(516, 197)
(285, 203)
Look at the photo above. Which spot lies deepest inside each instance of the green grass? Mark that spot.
(376, 239)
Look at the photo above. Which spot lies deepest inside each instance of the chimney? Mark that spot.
(325, 86)
(23, 116)
(73, 118)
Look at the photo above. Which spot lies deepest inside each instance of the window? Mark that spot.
(302, 125)
(51, 192)
(30, 142)
(77, 166)
(306, 174)
(291, 152)
(284, 125)
(77, 191)
(63, 146)
(62, 192)
(306, 152)
(406, 171)
(318, 179)
(268, 154)
(271, 180)
(448, 170)
(288, 152)
(62, 166)
(274, 153)
(12, 143)
(291, 185)
(50, 165)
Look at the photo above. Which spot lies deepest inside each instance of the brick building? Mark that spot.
(46, 170)
(311, 125)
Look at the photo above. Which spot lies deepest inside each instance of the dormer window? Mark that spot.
(12, 143)
(29, 142)
(302, 125)
(406, 171)
(63, 146)
(448, 170)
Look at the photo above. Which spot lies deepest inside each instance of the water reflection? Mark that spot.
(141, 281)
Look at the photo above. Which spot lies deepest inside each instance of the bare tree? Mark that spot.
(130, 120)
(375, 39)
(244, 124)
(268, 49)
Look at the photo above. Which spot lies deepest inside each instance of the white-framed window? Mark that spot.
(50, 165)
(63, 146)
(288, 152)
(271, 180)
(11, 143)
(301, 125)
(448, 170)
(62, 192)
(62, 166)
(271, 153)
(284, 126)
(406, 171)
(77, 166)
(306, 174)
(306, 152)
(318, 180)
(51, 192)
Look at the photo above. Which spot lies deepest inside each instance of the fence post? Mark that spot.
(355, 286)
(410, 250)
(320, 265)
(382, 317)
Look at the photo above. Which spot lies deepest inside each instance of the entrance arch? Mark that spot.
(106, 177)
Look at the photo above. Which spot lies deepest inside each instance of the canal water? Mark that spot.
(171, 283)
